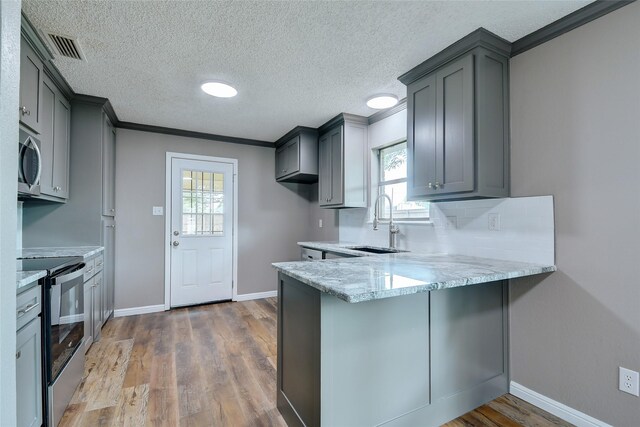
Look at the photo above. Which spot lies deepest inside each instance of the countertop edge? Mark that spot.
(29, 278)
(85, 252)
(454, 283)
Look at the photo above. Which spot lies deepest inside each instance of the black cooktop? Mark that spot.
(52, 265)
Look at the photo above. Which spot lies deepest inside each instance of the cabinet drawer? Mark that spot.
(28, 306)
(98, 264)
(89, 269)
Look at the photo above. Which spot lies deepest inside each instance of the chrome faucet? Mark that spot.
(393, 229)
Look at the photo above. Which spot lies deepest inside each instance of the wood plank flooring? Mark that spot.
(212, 365)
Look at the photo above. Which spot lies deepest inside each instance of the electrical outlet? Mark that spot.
(319, 223)
(494, 222)
(158, 210)
(628, 381)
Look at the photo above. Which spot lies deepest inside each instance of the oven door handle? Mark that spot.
(60, 280)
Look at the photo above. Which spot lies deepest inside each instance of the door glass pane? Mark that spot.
(202, 203)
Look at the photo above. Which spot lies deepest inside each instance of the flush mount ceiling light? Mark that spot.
(382, 101)
(219, 89)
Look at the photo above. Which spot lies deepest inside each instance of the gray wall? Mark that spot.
(575, 120)
(329, 217)
(271, 217)
(9, 98)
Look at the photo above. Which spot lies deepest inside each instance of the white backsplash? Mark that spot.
(526, 229)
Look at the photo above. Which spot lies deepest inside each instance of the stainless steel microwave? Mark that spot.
(29, 165)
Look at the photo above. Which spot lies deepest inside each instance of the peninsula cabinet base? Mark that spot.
(420, 359)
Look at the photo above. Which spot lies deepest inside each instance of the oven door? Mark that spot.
(29, 165)
(65, 319)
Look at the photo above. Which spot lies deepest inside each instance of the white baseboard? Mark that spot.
(558, 409)
(257, 295)
(138, 310)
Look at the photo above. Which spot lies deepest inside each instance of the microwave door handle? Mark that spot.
(37, 149)
(21, 174)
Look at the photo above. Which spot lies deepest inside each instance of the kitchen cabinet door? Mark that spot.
(293, 155)
(281, 161)
(31, 73)
(109, 239)
(54, 139)
(108, 168)
(455, 127)
(97, 306)
(337, 166)
(29, 375)
(324, 169)
(421, 137)
(47, 148)
(61, 142)
(88, 314)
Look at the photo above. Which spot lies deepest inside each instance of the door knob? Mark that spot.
(176, 233)
(176, 243)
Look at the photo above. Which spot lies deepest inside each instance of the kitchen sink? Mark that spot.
(375, 250)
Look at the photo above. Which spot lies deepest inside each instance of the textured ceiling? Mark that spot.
(293, 62)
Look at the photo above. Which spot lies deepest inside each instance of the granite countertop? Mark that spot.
(57, 252)
(382, 276)
(25, 280)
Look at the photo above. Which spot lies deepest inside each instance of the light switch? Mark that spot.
(158, 210)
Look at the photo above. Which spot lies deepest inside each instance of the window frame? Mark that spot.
(380, 184)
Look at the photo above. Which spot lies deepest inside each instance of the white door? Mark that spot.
(201, 231)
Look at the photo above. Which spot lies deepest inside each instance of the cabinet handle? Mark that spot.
(24, 111)
(437, 185)
(89, 271)
(56, 188)
(27, 309)
(430, 185)
(111, 226)
(112, 210)
(18, 354)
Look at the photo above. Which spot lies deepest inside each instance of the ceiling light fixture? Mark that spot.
(219, 89)
(382, 101)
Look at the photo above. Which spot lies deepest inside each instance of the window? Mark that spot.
(202, 203)
(392, 180)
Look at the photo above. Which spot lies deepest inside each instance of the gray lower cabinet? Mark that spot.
(54, 140)
(458, 122)
(374, 370)
(29, 359)
(96, 305)
(343, 162)
(107, 265)
(95, 300)
(297, 156)
(31, 73)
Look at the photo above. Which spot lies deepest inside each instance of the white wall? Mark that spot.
(9, 83)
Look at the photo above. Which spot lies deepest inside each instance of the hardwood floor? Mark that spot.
(212, 365)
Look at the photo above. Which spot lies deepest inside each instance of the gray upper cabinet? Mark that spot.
(297, 156)
(457, 121)
(54, 139)
(108, 167)
(31, 73)
(342, 159)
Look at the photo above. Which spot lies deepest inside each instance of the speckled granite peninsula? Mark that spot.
(402, 339)
(59, 252)
(382, 276)
(25, 280)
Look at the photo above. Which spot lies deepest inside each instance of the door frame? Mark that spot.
(167, 221)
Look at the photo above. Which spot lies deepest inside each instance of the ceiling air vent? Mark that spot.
(66, 46)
